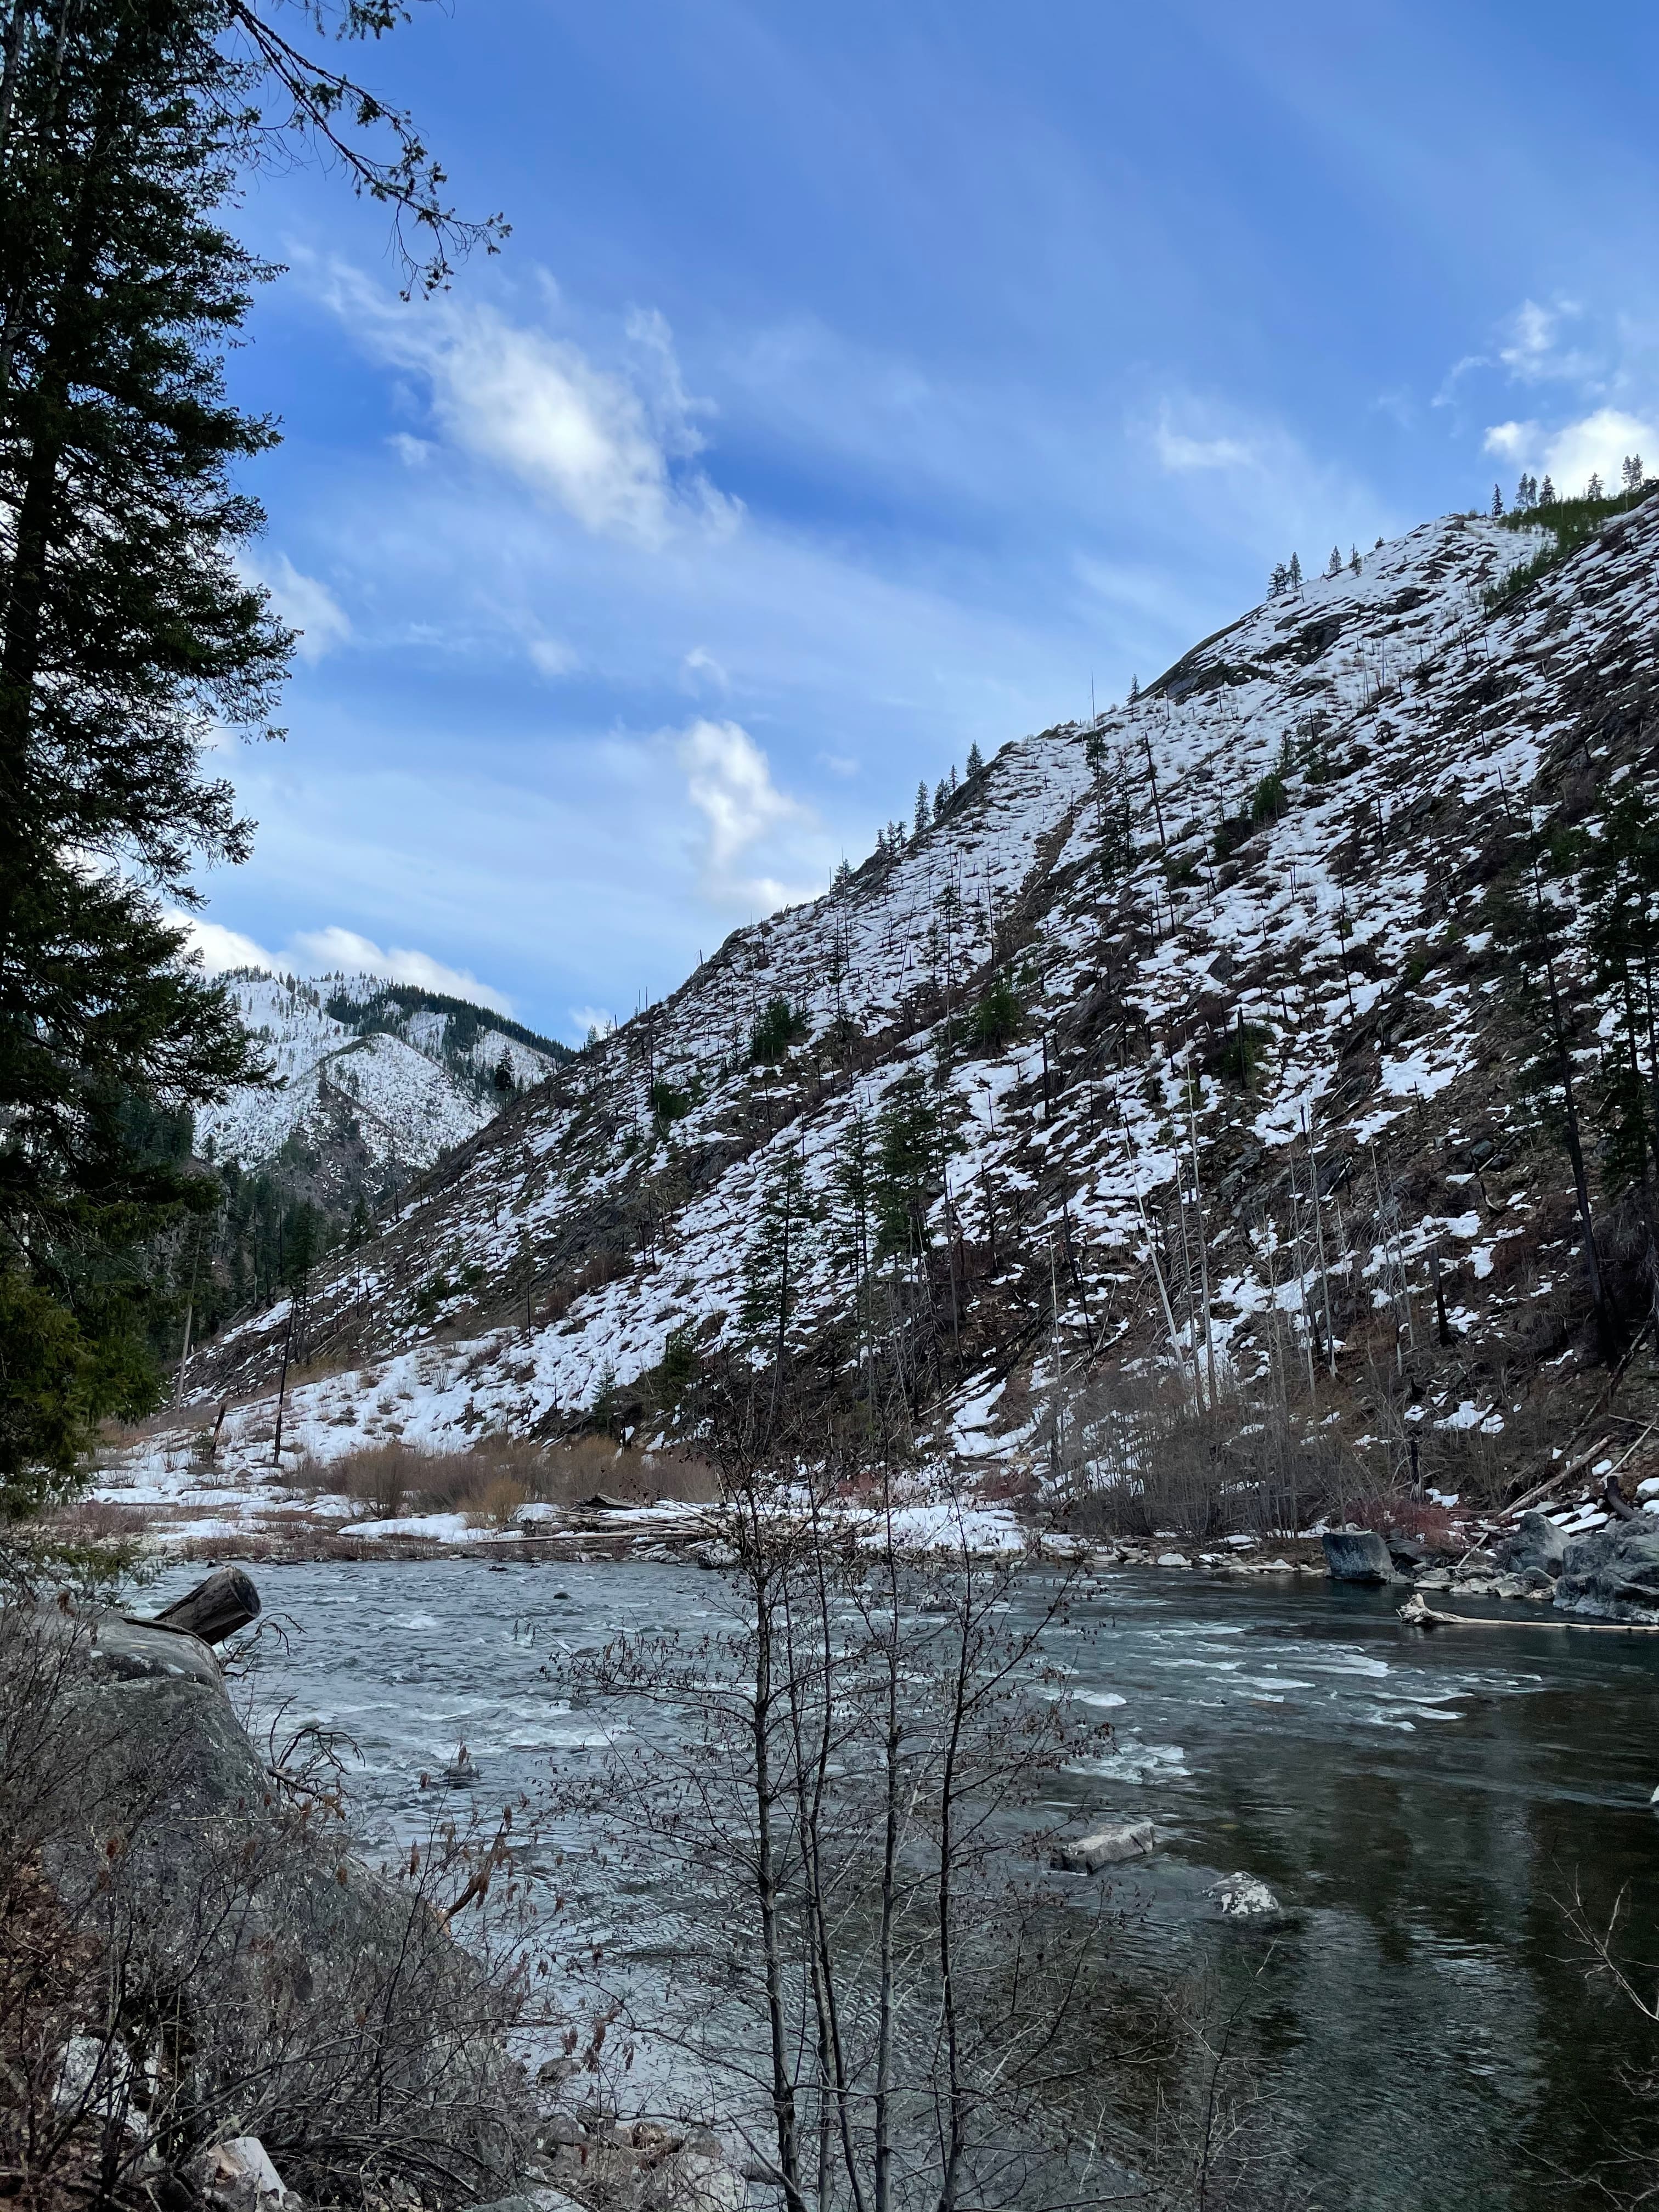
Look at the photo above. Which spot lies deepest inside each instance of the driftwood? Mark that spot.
(600, 1501)
(217, 1608)
(1417, 1613)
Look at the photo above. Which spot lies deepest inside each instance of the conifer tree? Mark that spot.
(1353, 560)
(1334, 565)
(1546, 493)
(127, 634)
(1280, 582)
(1497, 501)
(1630, 470)
(923, 814)
(1293, 574)
(1593, 489)
(975, 763)
(1134, 691)
(941, 800)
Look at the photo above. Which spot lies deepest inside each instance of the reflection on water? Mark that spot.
(1420, 1805)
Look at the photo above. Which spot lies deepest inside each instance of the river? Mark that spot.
(1419, 1804)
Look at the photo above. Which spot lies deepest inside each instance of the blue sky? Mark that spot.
(856, 384)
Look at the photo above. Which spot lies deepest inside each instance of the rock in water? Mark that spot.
(1536, 1544)
(1106, 1847)
(1242, 1897)
(1613, 1573)
(1358, 1555)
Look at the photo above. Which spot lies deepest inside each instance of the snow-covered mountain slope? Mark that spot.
(1242, 1102)
(344, 1055)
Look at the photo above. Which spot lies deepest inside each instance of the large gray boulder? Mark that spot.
(317, 2002)
(1613, 1573)
(1537, 1545)
(1358, 1555)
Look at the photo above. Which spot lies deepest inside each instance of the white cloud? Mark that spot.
(553, 656)
(1512, 442)
(600, 444)
(1533, 353)
(700, 662)
(728, 779)
(838, 763)
(324, 951)
(1179, 450)
(219, 948)
(1595, 446)
(302, 602)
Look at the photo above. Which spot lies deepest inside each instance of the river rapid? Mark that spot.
(1419, 1804)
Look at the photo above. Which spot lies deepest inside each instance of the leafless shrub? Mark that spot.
(1143, 1458)
(188, 1950)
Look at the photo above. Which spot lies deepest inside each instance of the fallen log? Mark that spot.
(1416, 1613)
(217, 1608)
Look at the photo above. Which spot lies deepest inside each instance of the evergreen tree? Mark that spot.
(1353, 560)
(1280, 582)
(777, 1252)
(1134, 691)
(923, 814)
(1630, 470)
(1593, 489)
(1334, 565)
(1497, 501)
(975, 763)
(908, 1169)
(1546, 493)
(941, 800)
(843, 874)
(127, 635)
(1293, 574)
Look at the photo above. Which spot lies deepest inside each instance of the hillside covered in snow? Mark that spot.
(1173, 1076)
(394, 1073)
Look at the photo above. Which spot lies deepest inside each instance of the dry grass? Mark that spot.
(392, 1479)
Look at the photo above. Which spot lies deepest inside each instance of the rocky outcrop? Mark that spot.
(1537, 1545)
(183, 1880)
(1358, 1555)
(1613, 1573)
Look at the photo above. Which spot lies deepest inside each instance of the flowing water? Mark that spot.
(1420, 1805)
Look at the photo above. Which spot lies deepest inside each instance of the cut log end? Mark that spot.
(216, 1608)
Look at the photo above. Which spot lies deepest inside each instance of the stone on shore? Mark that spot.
(1106, 1847)
(1358, 1555)
(238, 2176)
(1537, 1544)
(1613, 1573)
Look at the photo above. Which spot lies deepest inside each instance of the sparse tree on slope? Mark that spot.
(1497, 501)
(923, 814)
(1334, 565)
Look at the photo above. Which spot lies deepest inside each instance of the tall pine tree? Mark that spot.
(128, 636)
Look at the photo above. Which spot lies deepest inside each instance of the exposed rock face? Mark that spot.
(234, 1907)
(1537, 1543)
(1613, 1573)
(1358, 1555)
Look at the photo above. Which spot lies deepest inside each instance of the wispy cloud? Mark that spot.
(728, 779)
(303, 602)
(613, 447)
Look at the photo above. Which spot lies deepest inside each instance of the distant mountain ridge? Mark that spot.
(393, 1074)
